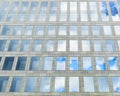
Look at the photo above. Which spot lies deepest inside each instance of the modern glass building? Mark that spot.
(60, 48)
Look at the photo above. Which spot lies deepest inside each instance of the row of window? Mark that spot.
(73, 8)
(60, 45)
(45, 84)
(60, 30)
(61, 63)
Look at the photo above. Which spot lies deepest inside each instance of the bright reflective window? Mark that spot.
(48, 62)
(61, 45)
(13, 46)
(110, 45)
(117, 30)
(73, 45)
(28, 30)
(98, 45)
(17, 30)
(73, 63)
(40, 30)
(73, 30)
(96, 30)
(84, 30)
(87, 63)
(100, 63)
(60, 63)
(37, 46)
(51, 30)
(25, 46)
(116, 84)
(62, 30)
(107, 30)
(85, 45)
(50, 45)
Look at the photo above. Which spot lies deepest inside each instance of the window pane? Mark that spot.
(107, 30)
(103, 84)
(100, 63)
(110, 45)
(85, 45)
(34, 63)
(62, 30)
(48, 61)
(96, 30)
(30, 84)
(45, 84)
(113, 63)
(25, 45)
(87, 63)
(117, 30)
(119, 44)
(73, 63)
(21, 63)
(73, 45)
(97, 45)
(13, 46)
(84, 30)
(2, 45)
(61, 45)
(73, 30)
(16, 84)
(116, 84)
(8, 63)
(74, 84)
(3, 83)
(49, 45)
(6, 30)
(28, 30)
(59, 84)
(17, 30)
(60, 63)
(51, 30)
(40, 30)
(37, 45)
(88, 84)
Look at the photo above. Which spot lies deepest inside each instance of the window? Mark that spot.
(30, 84)
(3, 83)
(51, 30)
(107, 30)
(33, 7)
(17, 30)
(53, 11)
(37, 46)
(113, 63)
(40, 30)
(45, 84)
(8, 63)
(21, 17)
(16, 84)
(13, 46)
(103, 84)
(73, 30)
(84, 30)
(73, 64)
(104, 11)
(93, 11)
(28, 30)
(2, 45)
(34, 63)
(63, 11)
(61, 45)
(48, 61)
(21, 63)
(116, 84)
(117, 30)
(6, 30)
(10, 17)
(24, 7)
(62, 30)
(73, 45)
(50, 45)
(118, 44)
(25, 46)
(88, 84)
(98, 45)
(83, 11)
(87, 63)
(100, 63)
(110, 45)
(74, 84)
(60, 63)
(59, 84)
(114, 11)
(96, 30)
(85, 45)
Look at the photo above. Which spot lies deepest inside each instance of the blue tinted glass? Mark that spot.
(16, 84)
(113, 63)
(73, 63)
(113, 8)
(30, 84)
(116, 84)
(87, 63)
(21, 63)
(5, 30)
(2, 45)
(48, 61)
(10, 17)
(3, 83)
(25, 45)
(60, 63)
(33, 7)
(17, 30)
(24, 7)
(37, 45)
(13, 46)
(8, 63)
(104, 8)
(34, 63)
(100, 63)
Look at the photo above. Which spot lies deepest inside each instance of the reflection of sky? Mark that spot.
(87, 63)
(116, 84)
(113, 8)
(113, 63)
(74, 84)
(100, 64)
(73, 63)
(60, 84)
(104, 8)
(60, 63)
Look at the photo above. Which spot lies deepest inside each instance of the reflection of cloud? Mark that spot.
(59, 84)
(113, 63)
(74, 84)
(61, 63)
(116, 84)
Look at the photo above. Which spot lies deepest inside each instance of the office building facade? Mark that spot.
(60, 48)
